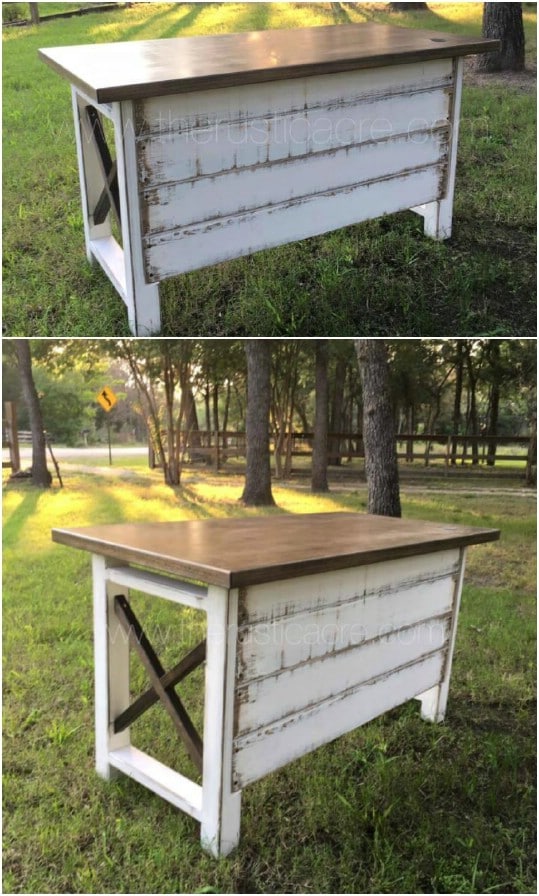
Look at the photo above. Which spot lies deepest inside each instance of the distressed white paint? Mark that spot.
(227, 238)
(285, 642)
(221, 808)
(438, 216)
(162, 780)
(267, 700)
(111, 669)
(273, 600)
(315, 661)
(238, 190)
(434, 701)
(141, 298)
(259, 753)
(185, 593)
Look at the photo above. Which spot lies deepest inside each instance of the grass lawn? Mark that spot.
(379, 278)
(396, 806)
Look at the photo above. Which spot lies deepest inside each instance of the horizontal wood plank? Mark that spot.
(280, 601)
(259, 753)
(239, 552)
(117, 71)
(222, 239)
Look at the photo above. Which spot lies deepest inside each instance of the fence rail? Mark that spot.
(218, 447)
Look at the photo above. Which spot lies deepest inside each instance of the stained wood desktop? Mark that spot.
(234, 553)
(233, 143)
(137, 69)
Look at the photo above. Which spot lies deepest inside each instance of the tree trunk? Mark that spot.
(40, 473)
(457, 402)
(473, 422)
(381, 467)
(503, 21)
(336, 412)
(319, 473)
(34, 13)
(257, 489)
(494, 409)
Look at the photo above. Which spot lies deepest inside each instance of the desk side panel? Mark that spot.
(228, 172)
(352, 645)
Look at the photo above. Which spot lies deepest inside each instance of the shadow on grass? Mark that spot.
(18, 520)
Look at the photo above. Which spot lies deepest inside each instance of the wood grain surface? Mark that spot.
(238, 552)
(135, 69)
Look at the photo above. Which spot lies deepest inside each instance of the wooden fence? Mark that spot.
(216, 448)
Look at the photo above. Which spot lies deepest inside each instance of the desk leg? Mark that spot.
(221, 808)
(438, 216)
(111, 657)
(434, 701)
(141, 298)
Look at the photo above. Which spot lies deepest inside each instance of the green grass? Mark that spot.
(379, 278)
(396, 806)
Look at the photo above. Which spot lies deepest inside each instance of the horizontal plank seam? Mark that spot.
(328, 106)
(211, 223)
(312, 661)
(438, 130)
(253, 735)
(385, 591)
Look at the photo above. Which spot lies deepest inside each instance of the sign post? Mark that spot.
(107, 399)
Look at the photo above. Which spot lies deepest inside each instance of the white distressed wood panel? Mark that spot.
(234, 145)
(158, 116)
(266, 603)
(265, 750)
(264, 701)
(269, 647)
(232, 192)
(199, 245)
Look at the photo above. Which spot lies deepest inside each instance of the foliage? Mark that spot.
(380, 278)
(14, 12)
(398, 806)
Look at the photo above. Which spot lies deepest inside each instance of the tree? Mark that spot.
(503, 21)
(257, 489)
(40, 473)
(381, 467)
(319, 476)
(34, 13)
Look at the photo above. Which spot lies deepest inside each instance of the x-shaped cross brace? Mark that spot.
(162, 682)
(110, 195)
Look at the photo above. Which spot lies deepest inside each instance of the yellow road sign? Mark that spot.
(106, 398)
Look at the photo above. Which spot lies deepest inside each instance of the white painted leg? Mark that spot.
(111, 658)
(90, 176)
(434, 701)
(141, 298)
(438, 216)
(221, 808)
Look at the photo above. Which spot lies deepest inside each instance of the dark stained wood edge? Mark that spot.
(455, 46)
(275, 572)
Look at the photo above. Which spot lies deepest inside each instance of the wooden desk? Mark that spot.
(233, 143)
(316, 624)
